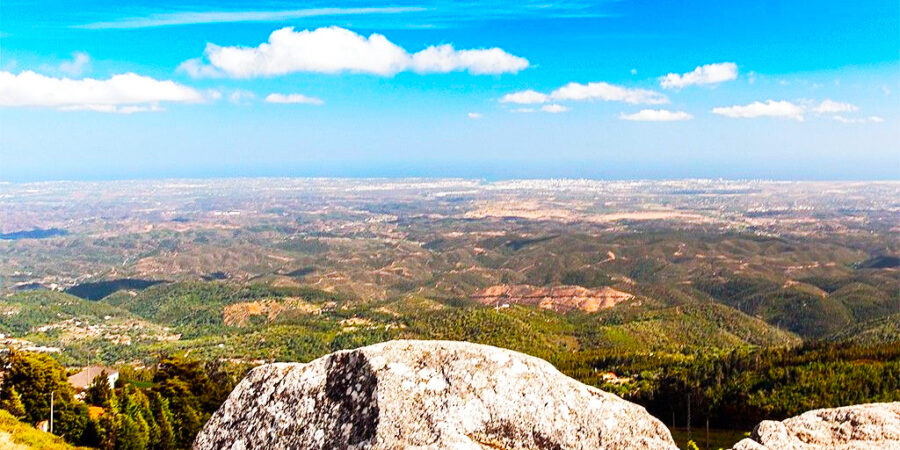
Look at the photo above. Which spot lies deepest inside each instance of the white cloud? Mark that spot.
(528, 97)
(443, 59)
(523, 110)
(240, 96)
(474, 115)
(771, 108)
(112, 108)
(124, 93)
(325, 50)
(830, 106)
(191, 18)
(706, 74)
(293, 98)
(79, 63)
(554, 108)
(656, 115)
(842, 119)
(585, 92)
(634, 71)
(195, 68)
(608, 92)
(335, 50)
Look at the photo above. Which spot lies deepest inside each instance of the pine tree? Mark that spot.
(129, 436)
(162, 415)
(93, 434)
(98, 393)
(35, 376)
(12, 402)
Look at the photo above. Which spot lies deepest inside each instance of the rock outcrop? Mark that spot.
(869, 426)
(425, 395)
(556, 298)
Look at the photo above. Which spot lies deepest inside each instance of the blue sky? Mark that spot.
(614, 90)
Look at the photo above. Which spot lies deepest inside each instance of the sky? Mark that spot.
(622, 89)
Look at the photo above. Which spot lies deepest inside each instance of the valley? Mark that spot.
(666, 293)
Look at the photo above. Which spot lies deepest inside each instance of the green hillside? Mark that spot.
(882, 330)
(20, 312)
(303, 324)
(199, 304)
(85, 331)
(693, 325)
(15, 435)
(797, 309)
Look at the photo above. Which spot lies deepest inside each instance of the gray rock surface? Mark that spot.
(426, 395)
(869, 426)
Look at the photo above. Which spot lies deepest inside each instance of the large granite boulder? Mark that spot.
(426, 395)
(870, 426)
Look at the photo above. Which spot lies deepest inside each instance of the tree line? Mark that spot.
(162, 407)
(737, 389)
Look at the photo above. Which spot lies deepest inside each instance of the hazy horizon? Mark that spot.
(486, 179)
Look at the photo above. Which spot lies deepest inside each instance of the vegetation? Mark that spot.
(15, 435)
(22, 312)
(194, 306)
(100, 289)
(744, 312)
(29, 382)
(736, 389)
(166, 414)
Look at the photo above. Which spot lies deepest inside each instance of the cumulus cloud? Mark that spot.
(608, 92)
(335, 50)
(325, 50)
(528, 97)
(474, 115)
(829, 106)
(523, 110)
(706, 74)
(79, 63)
(771, 108)
(443, 59)
(656, 115)
(554, 108)
(124, 93)
(293, 98)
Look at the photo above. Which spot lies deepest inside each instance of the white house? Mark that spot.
(81, 380)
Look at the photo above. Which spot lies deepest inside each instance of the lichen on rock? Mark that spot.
(869, 426)
(426, 395)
